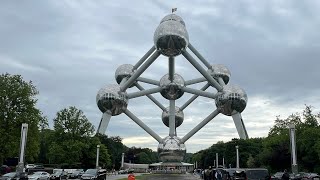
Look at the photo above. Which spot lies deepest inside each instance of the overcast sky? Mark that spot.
(70, 49)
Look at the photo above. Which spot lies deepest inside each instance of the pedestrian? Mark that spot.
(285, 175)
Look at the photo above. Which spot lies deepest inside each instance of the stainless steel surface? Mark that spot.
(195, 81)
(195, 64)
(172, 90)
(144, 92)
(200, 125)
(199, 92)
(171, 150)
(171, 36)
(135, 75)
(149, 81)
(104, 122)
(186, 104)
(220, 70)
(238, 121)
(143, 126)
(232, 100)
(151, 97)
(110, 100)
(171, 68)
(172, 122)
(123, 71)
(179, 116)
(144, 57)
(202, 59)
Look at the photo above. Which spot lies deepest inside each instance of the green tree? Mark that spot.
(17, 106)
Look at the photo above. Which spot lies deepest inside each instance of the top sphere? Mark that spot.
(171, 36)
(232, 100)
(110, 99)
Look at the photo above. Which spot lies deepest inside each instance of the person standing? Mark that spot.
(285, 175)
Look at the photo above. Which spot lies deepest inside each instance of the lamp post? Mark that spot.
(217, 160)
(294, 164)
(237, 150)
(122, 161)
(97, 159)
(23, 142)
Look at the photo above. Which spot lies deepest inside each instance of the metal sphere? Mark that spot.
(123, 71)
(172, 90)
(220, 70)
(171, 36)
(232, 100)
(179, 116)
(110, 99)
(171, 150)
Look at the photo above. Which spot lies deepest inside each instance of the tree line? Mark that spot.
(273, 151)
(72, 141)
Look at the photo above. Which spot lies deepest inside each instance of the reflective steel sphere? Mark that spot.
(171, 150)
(179, 116)
(172, 90)
(171, 36)
(232, 100)
(109, 100)
(123, 71)
(220, 70)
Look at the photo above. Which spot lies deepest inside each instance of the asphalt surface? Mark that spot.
(159, 177)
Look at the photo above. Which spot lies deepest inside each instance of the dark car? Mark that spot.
(230, 173)
(58, 175)
(14, 176)
(251, 174)
(76, 174)
(94, 174)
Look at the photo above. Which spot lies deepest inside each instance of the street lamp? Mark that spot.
(23, 142)
(237, 150)
(97, 159)
(294, 164)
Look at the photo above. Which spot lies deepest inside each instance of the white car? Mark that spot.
(40, 175)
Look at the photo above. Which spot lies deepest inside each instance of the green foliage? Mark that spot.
(17, 104)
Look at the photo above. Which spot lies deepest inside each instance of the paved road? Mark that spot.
(160, 177)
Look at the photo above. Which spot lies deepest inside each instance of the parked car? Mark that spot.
(310, 176)
(94, 174)
(76, 174)
(277, 175)
(14, 176)
(39, 175)
(251, 174)
(58, 175)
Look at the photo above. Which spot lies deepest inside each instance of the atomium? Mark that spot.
(171, 36)
(172, 89)
(171, 39)
(233, 100)
(110, 100)
(171, 150)
(178, 117)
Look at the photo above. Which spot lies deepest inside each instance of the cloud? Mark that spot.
(70, 49)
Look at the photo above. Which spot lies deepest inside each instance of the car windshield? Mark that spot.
(91, 171)
(37, 173)
(257, 174)
(10, 174)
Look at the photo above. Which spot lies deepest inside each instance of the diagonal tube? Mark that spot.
(149, 81)
(202, 59)
(221, 82)
(151, 50)
(131, 80)
(211, 80)
(193, 98)
(200, 125)
(172, 120)
(103, 125)
(144, 92)
(195, 81)
(151, 97)
(238, 121)
(143, 126)
(199, 92)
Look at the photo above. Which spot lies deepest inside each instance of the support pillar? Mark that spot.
(97, 159)
(23, 142)
(237, 150)
(294, 164)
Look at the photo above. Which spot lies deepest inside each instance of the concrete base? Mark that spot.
(294, 169)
